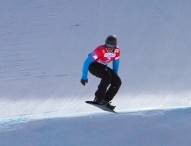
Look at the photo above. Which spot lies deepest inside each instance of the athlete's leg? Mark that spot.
(101, 71)
(114, 87)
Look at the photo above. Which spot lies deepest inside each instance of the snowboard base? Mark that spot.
(103, 107)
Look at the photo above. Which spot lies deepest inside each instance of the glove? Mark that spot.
(84, 81)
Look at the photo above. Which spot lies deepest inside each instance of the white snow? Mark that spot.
(43, 45)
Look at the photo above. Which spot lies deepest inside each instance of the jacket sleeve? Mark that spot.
(86, 66)
(116, 65)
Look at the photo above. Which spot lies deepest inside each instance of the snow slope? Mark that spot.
(154, 128)
(43, 45)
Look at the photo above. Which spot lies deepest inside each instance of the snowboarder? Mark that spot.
(96, 63)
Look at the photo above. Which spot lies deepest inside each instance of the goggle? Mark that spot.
(110, 46)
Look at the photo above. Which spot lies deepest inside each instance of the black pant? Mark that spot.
(110, 81)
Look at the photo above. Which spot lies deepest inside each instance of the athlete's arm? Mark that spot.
(116, 65)
(86, 66)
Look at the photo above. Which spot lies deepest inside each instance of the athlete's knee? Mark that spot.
(118, 83)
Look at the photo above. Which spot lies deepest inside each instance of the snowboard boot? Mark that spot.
(104, 103)
(99, 101)
(108, 104)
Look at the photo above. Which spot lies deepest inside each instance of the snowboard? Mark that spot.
(108, 108)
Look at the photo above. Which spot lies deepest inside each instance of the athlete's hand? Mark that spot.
(84, 82)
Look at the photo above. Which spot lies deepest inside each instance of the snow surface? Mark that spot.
(43, 45)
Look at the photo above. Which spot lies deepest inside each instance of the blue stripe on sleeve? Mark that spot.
(116, 66)
(86, 66)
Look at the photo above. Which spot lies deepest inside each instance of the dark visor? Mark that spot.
(110, 46)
